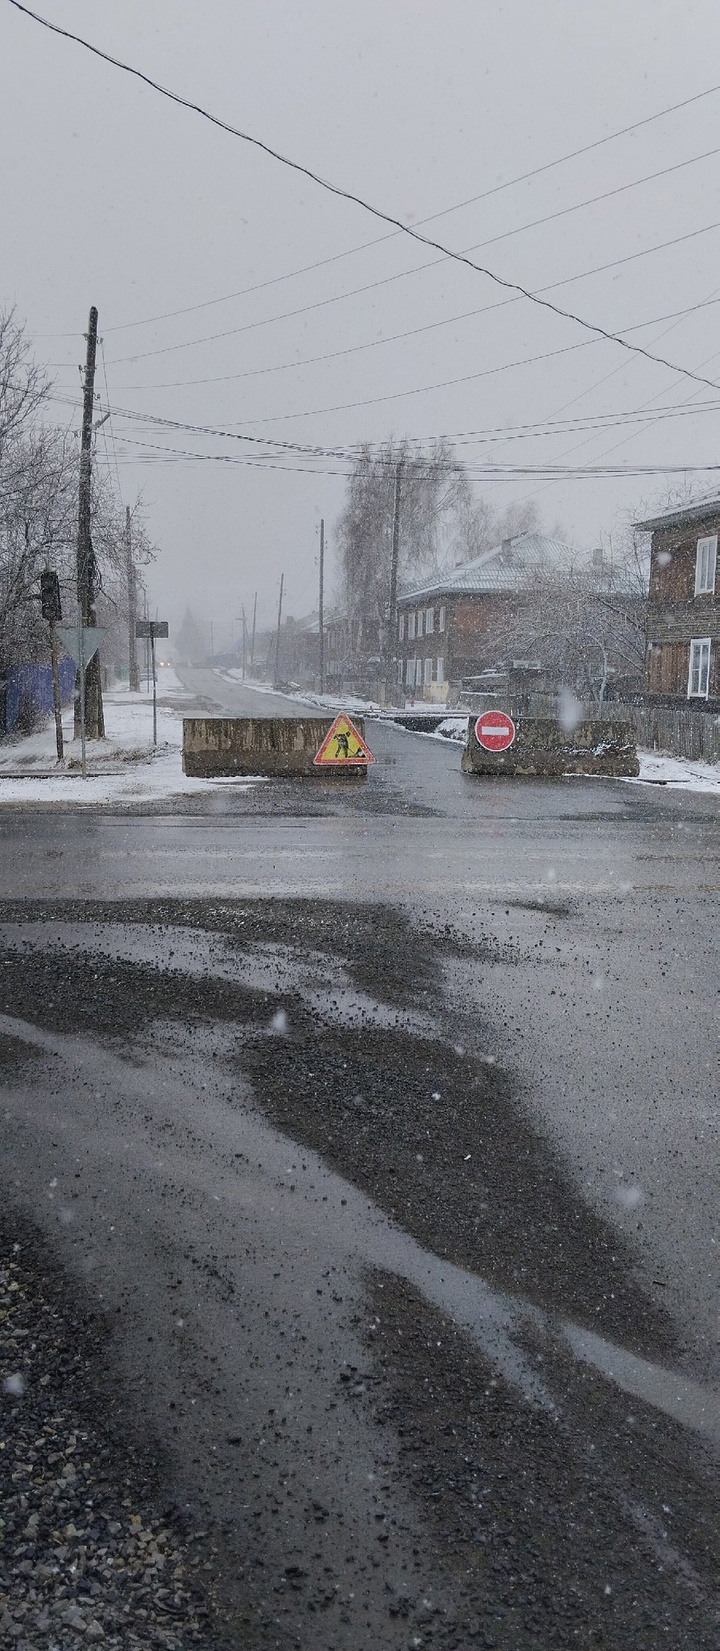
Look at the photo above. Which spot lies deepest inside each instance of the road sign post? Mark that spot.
(495, 731)
(149, 629)
(82, 643)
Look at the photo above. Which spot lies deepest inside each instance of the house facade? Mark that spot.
(446, 627)
(683, 633)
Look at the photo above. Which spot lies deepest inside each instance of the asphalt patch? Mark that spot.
(593, 1529)
(440, 1140)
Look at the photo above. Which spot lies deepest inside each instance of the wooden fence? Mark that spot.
(683, 733)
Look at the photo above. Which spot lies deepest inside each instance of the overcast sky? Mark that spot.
(113, 196)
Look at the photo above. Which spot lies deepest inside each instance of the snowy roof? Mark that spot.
(685, 513)
(499, 569)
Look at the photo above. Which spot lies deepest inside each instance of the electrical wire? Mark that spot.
(376, 343)
(499, 304)
(350, 195)
(112, 432)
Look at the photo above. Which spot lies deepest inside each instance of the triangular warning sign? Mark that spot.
(342, 745)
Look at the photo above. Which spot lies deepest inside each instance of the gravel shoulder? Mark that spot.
(91, 1553)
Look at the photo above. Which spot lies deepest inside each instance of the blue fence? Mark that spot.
(28, 690)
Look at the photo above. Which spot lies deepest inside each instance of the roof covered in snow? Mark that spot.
(695, 512)
(501, 569)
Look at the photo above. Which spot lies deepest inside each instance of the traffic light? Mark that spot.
(50, 596)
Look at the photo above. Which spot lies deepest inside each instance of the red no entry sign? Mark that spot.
(495, 731)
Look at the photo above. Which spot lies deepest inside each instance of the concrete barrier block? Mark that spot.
(223, 746)
(541, 747)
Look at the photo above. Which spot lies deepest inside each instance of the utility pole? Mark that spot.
(133, 677)
(244, 653)
(252, 644)
(88, 700)
(392, 616)
(321, 612)
(277, 642)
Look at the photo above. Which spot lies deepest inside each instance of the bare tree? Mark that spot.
(38, 512)
(584, 625)
(442, 524)
(24, 387)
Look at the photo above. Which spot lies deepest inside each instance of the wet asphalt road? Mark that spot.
(380, 1119)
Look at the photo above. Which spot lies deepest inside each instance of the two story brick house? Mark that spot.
(683, 632)
(446, 626)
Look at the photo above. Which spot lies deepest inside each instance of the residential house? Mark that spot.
(446, 625)
(683, 634)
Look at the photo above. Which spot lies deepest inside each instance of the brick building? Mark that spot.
(683, 632)
(446, 626)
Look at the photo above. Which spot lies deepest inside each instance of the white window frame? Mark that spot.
(419, 622)
(401, 627)
(429, 621)
(410, 673)
(699, 667)
(440, 669)
(400, 669)
(411, 627)
(705, 565)
(427, 673)
(441, 619)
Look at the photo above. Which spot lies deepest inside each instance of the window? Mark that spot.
(440, 677)
(441, 620)
(429, 621)
(410, 673)
(428, 671)
(411, 626)
(401, 627)
(705, 560)
(418, 622)
(699, 677)
(400, 672)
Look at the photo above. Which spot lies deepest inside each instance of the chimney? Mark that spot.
(597, 557)
(506, 550)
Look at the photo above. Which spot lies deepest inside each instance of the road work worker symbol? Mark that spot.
(343, 746)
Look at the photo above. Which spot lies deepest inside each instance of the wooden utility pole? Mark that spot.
(244, 650)
(392, 616)
(252, 644)
(90, 691)
(321, 610)
(277, 640)
(133, 677)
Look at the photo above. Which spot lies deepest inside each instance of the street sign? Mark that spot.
(70, 636)
(343, 746)
(495, 731)
(150, 629)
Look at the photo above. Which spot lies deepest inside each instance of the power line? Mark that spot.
(112, 432)
(489, 471)
(358, 200)
(501, 303)
(350, 452)
(393, 338)
(562, 212)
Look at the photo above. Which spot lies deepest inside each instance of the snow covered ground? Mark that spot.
(122, 768)
(324, 702)
(677, 772)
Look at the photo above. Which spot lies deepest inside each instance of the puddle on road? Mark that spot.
(255, 1174)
